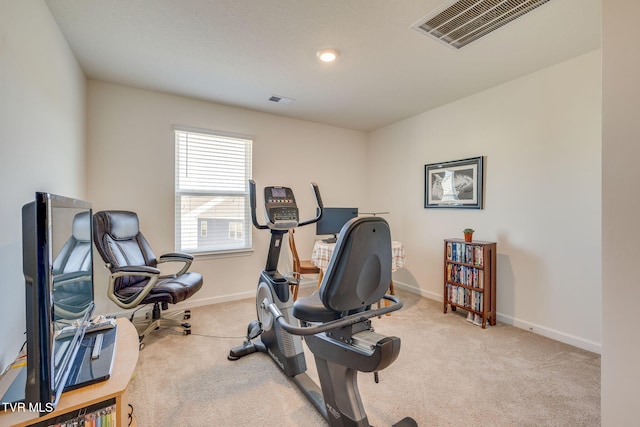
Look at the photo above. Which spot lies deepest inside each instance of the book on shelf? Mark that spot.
(467, 253)
(465, 298)
(477, 256)
(474, 318)
(87, 417)
(468, 276)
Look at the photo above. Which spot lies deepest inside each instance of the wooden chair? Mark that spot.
(300, 267)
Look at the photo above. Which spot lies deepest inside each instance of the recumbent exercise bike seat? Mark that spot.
(358, 276)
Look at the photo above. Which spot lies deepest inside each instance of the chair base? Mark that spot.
(157, 319)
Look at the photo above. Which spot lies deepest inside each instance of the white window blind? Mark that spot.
(212, 195)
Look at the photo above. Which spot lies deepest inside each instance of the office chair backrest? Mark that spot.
(119, 241)
(359, 272)
(75, 254)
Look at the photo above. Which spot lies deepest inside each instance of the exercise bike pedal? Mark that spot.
(254, 329)
(238, 352)
(247, 348)
(406, 422)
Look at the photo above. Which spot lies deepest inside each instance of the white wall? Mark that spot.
(131, 166)
(540, 135)
(42, 135)
(620, 207)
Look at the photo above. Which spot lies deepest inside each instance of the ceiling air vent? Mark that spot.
(281, 99)
(460, 22)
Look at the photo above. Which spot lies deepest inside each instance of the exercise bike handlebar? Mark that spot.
(334, 324)
(252, 199)
(320, 206)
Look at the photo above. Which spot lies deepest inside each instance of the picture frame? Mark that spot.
(454, 184)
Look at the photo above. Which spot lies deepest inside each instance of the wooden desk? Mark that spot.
(125, 359)
(323, 251)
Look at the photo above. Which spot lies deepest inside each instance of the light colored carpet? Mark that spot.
(449, 373)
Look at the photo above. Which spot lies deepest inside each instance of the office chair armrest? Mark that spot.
(177, 257)
(138, 269)
(132, 301)
(180, 255)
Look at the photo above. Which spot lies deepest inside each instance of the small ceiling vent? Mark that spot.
(281, 99)
(460, 22)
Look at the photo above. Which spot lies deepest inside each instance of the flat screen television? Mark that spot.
(58, 271)
(333, 219)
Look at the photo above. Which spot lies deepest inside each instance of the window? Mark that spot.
(212, 195)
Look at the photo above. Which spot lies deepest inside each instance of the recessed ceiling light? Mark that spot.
(327, 55)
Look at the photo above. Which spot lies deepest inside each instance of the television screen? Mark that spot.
(58, 271)
(333, 219)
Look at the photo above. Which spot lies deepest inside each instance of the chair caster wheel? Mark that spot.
(186, 325)
(187, 331)
(187, 314)
(140, 346)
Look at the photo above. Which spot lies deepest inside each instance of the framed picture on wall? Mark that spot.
(454, 184)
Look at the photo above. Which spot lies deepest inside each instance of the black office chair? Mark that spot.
(135, 278)
(72, 286)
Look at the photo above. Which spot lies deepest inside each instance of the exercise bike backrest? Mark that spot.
(281, 210)
(359, 272)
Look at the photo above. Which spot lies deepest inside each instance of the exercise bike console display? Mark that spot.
(280, 208)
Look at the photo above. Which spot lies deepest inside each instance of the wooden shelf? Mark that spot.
(124, 363)
(470, 278)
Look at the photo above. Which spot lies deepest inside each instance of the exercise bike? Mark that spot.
(335, 320)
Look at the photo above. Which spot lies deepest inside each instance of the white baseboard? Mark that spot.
(551, 333)
(417, 291)
(518, 323)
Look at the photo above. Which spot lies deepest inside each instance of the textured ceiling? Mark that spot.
(241, 52)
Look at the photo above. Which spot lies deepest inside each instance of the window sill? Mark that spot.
(222, 254)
